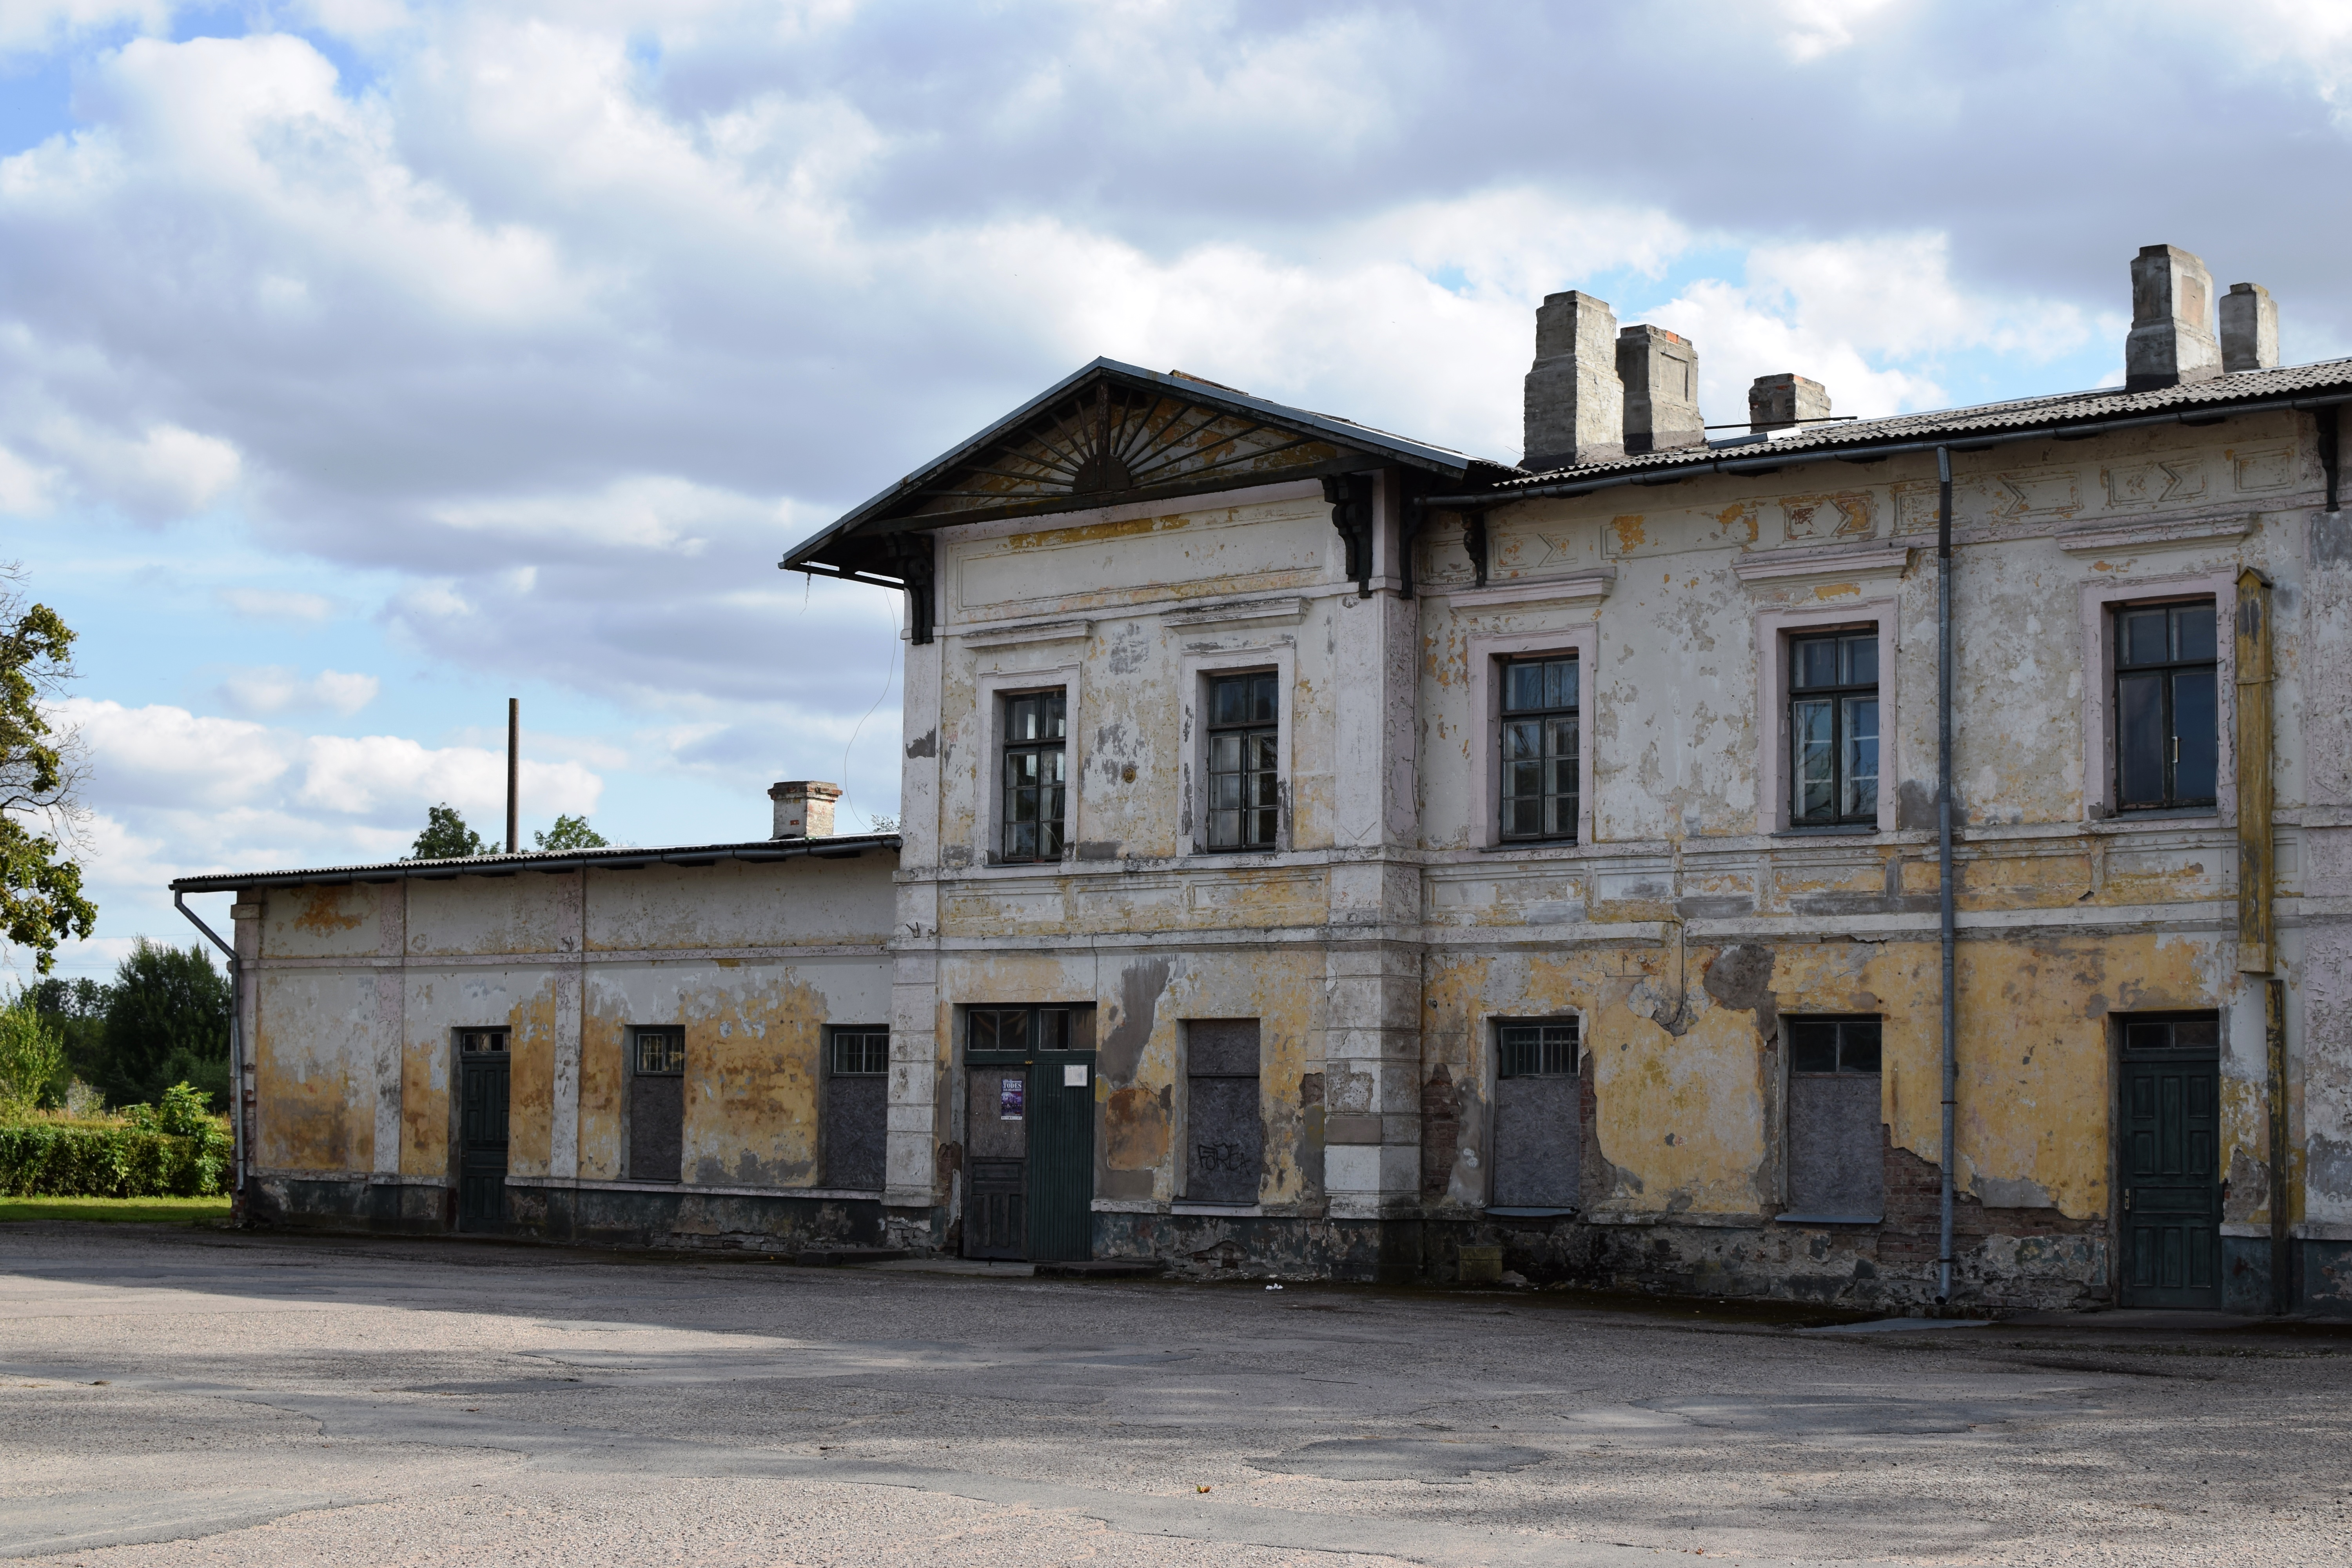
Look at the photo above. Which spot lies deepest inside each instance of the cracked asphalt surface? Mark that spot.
(170, 1395)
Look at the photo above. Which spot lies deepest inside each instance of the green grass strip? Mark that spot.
(142, 1211)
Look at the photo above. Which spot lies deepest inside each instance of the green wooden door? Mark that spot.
(1061, 1156)
(2170, 1128)
(482, 1143)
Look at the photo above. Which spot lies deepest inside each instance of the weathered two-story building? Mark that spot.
(1884, 860)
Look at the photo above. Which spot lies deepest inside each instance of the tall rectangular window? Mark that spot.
(857, 1108)
(1245, 741)
(2167, 721)
(1539, 1132)
(1539, 740)
(1034, 784)
(656, 1103)
(1833, 728)
(1837, 1164)
(1225, 1126)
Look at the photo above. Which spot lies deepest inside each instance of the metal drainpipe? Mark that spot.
(1946, 918)
(236, 1044)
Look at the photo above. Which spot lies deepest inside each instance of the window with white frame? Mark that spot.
(1833, 728)
(2167, 706)
(1538, 736)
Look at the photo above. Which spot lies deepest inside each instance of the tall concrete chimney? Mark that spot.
(1659, 371)
(803, 808)
(1778, 402)
(2172, 301)
(2249, 328)
(1576, 406)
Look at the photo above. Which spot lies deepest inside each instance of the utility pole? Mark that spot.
(514, 767)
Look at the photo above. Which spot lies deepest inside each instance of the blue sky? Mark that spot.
(364, 362)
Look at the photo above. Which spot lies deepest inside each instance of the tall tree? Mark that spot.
(447, 837)
(166, 1023)
(41, 900)
(75, 1010)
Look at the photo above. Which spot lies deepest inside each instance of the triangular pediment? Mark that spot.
(1115, 434)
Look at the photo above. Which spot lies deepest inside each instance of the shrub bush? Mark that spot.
(175, 1150)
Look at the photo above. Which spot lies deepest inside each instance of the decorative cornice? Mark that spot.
(1290, 607)
(1033, 631)
(2108, 538)
(1586, 587)
(1876, 559)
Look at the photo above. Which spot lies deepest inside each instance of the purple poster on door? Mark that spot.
(1008, 1099)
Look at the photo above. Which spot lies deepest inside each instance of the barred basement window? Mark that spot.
(656, 1103)
(857, 1108)
(476, 1042)
(1538, 736)
(1225, 1126)
(1837, 1163)
(1539, 1126)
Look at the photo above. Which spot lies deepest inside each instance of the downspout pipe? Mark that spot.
(1946, 907)
(236, 1043)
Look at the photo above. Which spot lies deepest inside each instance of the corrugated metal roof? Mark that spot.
(616, 858)
(2075, 412)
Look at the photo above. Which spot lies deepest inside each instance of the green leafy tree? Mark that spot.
(32, 1058)
(76, 1012)
(447, 837)
(570, 832)
(167, 1022)
(41, 900)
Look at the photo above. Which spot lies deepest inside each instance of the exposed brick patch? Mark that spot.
(1441, 1131)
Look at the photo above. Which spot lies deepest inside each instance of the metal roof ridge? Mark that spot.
(539, 860)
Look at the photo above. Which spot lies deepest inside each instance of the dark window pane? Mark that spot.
(1812, 1044)
(2195, 728)
(2146, 1037)
(2140, 636)
(2197, 1033)
(1522, 688)
(1862, 659)
(1262, 701)
(1229, 702)
(1860, 765)
(2140, 740)
(2193, 632)
(1815, 764)
(1858, 1045)
(1053, 1030)
(1815, 662)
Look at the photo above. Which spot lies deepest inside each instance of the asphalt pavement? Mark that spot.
(176, 1395)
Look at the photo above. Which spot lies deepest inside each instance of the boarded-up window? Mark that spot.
(856, 1108)
(656, 1103)
(1537, 1132)
(1226, 1131)
(1836, 1152)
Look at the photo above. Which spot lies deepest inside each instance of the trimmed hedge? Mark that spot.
(49, 1160)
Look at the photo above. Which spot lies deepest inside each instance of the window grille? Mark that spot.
(1245, 735)
(858, 1053)
(660, 1052)
(2167, 725)
(477, 1042)
(1538, 1051)
(1539, 738)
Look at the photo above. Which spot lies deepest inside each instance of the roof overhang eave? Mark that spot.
(758, 851)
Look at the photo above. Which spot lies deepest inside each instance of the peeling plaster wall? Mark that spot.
(359, 992)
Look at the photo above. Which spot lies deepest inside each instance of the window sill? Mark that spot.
(1830, 830)
(1529, 1213)
(1227, 1211)
(1829, 1220)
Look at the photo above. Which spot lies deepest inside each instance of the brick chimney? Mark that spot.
(1778, 402)
(1575, 404)
(803, 808)
(2172, 301)
(2249, 328)
(1659, 371)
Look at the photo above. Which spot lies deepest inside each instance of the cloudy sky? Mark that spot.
(364, 362)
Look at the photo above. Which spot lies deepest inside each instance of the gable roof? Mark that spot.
(1113, 434)
(2070, 415)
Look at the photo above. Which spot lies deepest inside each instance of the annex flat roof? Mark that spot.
(549, 862)
(2071, 416)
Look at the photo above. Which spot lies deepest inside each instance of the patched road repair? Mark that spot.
(178, 1396)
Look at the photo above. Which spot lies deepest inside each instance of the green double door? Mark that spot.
(1029, 1162)
(2170, 1123)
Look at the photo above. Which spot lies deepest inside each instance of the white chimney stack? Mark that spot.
(1575, 404)
(804, 808)
(2172, 341)
(2249, 328)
